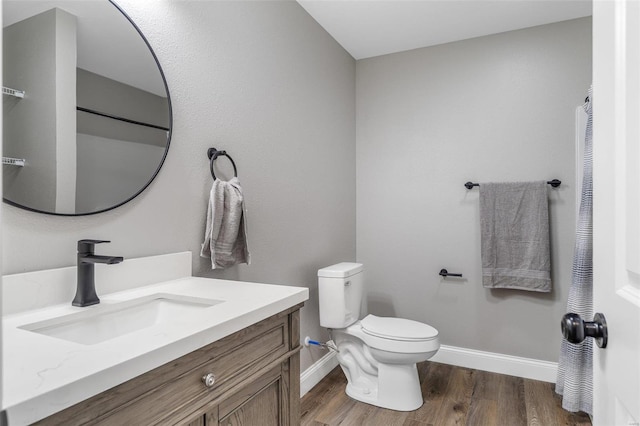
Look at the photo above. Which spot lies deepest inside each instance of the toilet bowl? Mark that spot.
(378, 355)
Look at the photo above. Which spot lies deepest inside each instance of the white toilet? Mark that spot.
(377, 354)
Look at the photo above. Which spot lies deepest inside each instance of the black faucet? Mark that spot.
(86, 291)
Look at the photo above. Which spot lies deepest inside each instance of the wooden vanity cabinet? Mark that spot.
(256, 382)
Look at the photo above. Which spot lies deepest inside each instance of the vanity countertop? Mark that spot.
(43, 375)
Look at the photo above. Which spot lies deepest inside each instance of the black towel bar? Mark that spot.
(554, 183)
(444, 273)
(213, 153)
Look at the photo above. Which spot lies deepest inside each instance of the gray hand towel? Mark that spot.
(225, 240)
(514, 231)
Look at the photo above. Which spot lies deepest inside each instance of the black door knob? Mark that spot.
(575, 329)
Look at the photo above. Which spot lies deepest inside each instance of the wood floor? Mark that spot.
(453, 396)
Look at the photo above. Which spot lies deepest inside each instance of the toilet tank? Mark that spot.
(340, 294)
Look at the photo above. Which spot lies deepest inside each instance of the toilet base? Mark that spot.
(397, 388)
(380, 377)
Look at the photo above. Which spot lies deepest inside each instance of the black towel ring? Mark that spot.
(213, 153)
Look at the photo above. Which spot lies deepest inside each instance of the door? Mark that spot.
(616, 211)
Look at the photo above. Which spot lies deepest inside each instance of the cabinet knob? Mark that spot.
(208, 379)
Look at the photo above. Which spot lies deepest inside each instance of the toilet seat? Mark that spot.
(394, 344)
(397, 329)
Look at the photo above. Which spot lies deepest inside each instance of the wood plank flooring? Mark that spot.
(453, 396)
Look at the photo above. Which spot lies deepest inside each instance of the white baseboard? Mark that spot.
(318, 370)
(470, 358)
(527, 368)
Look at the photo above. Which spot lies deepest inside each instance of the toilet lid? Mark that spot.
(397, 328)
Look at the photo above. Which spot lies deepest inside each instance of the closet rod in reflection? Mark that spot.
(115, 117)
(555, 183)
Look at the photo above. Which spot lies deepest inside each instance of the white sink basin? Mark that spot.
(108, 321)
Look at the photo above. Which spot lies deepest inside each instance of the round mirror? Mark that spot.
(87, 113)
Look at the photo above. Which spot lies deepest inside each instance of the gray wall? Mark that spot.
(265, 82)
(115, 158)
(495, 108)
(33, 129)
(106, 95)
(111, 171)
(65, 110)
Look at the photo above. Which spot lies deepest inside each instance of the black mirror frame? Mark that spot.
(166, 87)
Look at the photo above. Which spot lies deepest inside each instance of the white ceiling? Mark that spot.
(367, 28)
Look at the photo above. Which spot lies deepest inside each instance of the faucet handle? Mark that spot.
(86, 246)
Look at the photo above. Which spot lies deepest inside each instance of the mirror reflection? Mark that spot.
(87, 116)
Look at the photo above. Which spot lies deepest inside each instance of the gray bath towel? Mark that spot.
(514, 230)
(225, 239)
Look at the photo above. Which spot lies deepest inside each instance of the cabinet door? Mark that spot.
(263, 409)
(259, 403)
(200, 421)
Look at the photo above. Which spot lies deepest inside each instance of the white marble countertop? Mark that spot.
(43, 375)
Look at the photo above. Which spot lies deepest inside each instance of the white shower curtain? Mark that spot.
(575, 372)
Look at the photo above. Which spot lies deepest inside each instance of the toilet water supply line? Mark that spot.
(329, 345)
(351, 358)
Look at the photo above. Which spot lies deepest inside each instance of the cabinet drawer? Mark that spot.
(267, 347)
